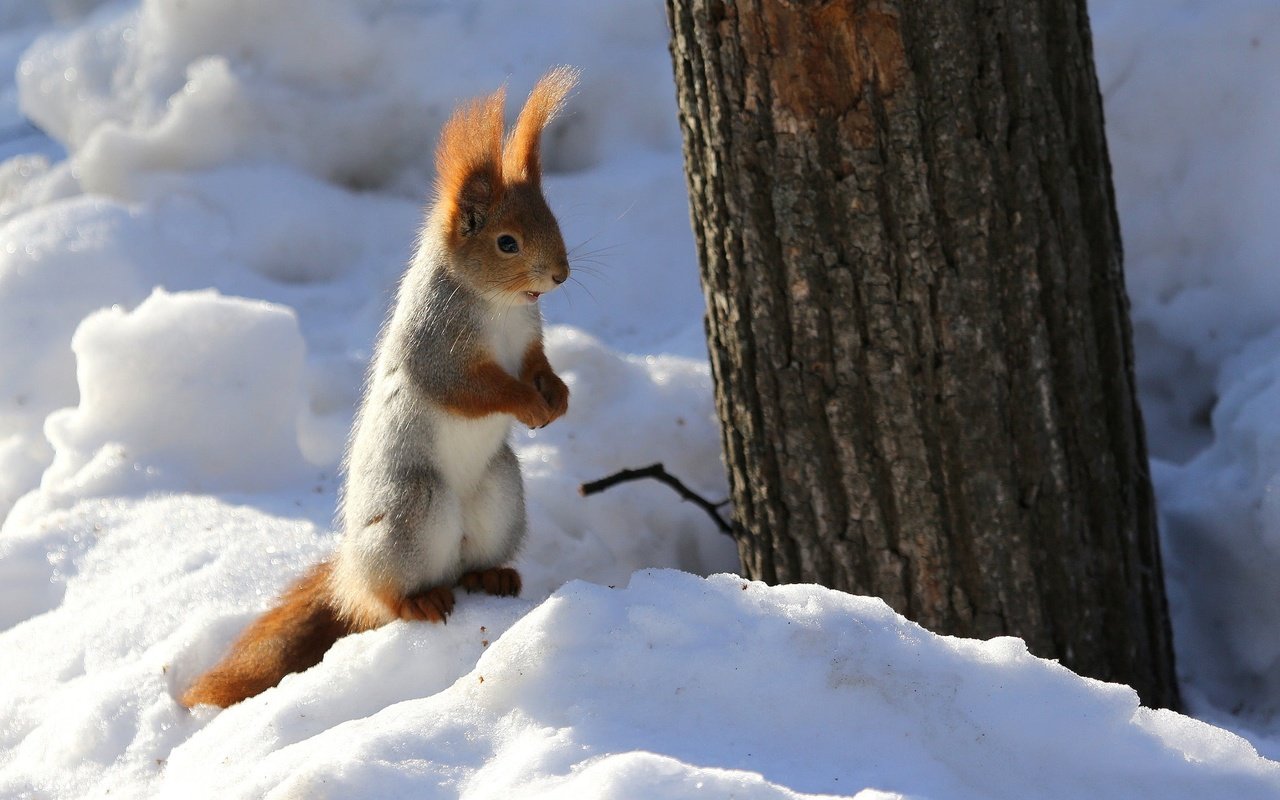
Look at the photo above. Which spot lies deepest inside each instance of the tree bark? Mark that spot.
(917, 319)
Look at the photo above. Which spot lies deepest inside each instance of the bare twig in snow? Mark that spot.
(659, 473)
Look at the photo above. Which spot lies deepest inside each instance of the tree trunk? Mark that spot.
(917, 320)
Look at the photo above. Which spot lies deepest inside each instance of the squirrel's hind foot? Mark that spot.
(500, 581)
(433, 605)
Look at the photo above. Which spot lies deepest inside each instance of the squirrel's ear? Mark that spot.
(469, 163)
(521, 159)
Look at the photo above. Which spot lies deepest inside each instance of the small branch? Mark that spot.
(659, 473)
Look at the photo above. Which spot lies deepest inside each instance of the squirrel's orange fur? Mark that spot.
(291, 637)
(521, 158)
(490, 390)
(469, 157)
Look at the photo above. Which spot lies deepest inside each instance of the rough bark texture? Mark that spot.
(917, 319)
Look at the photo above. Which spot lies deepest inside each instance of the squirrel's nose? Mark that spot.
(559, 279)
(560, 274)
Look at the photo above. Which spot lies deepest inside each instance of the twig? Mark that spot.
(659, 473)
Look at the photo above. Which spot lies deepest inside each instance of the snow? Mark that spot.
(193, 270)
(217, 419)
(1192, 108)
(868, 700)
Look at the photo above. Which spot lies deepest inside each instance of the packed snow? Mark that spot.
(1193, 103)
(205, 206)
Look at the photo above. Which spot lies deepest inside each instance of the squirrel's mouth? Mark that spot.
(532, 297)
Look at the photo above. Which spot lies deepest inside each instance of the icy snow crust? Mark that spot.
(187, 304)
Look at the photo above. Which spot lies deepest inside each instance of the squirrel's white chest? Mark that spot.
(464, 447)
(509, 335)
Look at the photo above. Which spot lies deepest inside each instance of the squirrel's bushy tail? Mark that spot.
(289, 638)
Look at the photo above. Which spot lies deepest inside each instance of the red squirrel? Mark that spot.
(433, 498)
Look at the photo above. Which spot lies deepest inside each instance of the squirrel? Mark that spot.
(433, 498)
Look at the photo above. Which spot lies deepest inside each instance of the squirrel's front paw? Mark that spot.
(554, 392)
(535, 412)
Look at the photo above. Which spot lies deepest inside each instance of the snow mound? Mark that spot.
(763, 692)
(134, 585)
(220, 410)
(55, 268)
(1192, 110)
(1222, 532)
(334, 87)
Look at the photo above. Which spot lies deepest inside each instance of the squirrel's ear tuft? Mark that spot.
(469, 163)
(521, 159)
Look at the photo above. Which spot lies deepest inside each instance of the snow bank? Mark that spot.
(190, 392)
(21, 22)
(221, 404)
(55, 268)
(354, 93)
(743, 689)
(337, 88)
(1222, 534)
(776, 690)
(1192, 110)
(87, 706)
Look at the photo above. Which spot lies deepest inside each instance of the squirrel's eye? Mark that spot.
(508, 244)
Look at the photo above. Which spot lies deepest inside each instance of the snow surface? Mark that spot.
(192, 272)
(1193, 104)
